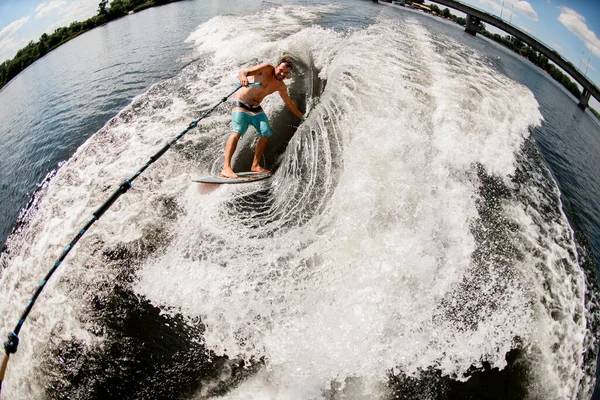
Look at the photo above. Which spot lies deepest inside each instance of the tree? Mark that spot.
(516, 43)
(543, 62)
(42, 48)
(102, 8)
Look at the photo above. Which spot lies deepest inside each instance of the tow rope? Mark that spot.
(10, 346)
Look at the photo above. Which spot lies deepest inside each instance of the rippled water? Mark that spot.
(67, 96)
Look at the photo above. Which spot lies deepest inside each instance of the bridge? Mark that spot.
(475, 16)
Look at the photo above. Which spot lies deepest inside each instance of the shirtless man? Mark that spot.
(247, 109)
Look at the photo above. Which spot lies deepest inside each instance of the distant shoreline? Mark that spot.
(509, 42)
(29, 54)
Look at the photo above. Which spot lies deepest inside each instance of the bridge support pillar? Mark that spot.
(472, 25)
(585, 99)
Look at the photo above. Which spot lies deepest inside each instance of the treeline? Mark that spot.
(35, 50)
(537, 58)
(445, 13)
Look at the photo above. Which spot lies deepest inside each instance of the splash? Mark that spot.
(364, 254)
(406, 228)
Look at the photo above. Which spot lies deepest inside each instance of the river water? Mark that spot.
(429, 231)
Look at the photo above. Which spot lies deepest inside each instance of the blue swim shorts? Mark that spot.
(240, 121)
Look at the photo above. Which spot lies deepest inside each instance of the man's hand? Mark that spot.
(243, 79)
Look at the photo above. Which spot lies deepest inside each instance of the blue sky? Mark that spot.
(24, 20)
(571, 27)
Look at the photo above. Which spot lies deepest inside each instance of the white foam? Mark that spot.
(368, 231)
(355, 290)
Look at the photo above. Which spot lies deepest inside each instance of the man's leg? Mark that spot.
(229, 150)
(261, 123)
(260, 149)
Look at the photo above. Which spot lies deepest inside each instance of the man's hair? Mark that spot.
(288, 61)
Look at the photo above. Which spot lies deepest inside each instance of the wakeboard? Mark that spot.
(243, 177)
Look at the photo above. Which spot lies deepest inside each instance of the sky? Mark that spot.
(571, 27)
(24, 20)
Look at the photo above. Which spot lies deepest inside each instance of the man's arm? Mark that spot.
(289, 103)
(256, 70)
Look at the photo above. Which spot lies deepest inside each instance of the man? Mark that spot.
(247, 109)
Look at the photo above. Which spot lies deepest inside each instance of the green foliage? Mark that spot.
(459, 20)
(537, 58)
(33, 51)
(143, 6)
(102, 7)
(516, 44)
(595, 113)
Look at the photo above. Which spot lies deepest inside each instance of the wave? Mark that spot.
(408, 228)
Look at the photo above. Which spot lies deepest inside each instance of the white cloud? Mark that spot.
(46, 8)
(507, 6)
(526, 9)
(78, 10)
(493, 4)
(8, 44)
(8, 48)
(64, 12)
(12, 27)
(576, 24)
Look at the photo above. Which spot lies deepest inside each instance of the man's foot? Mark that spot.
(260, 169)
(228, 173)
